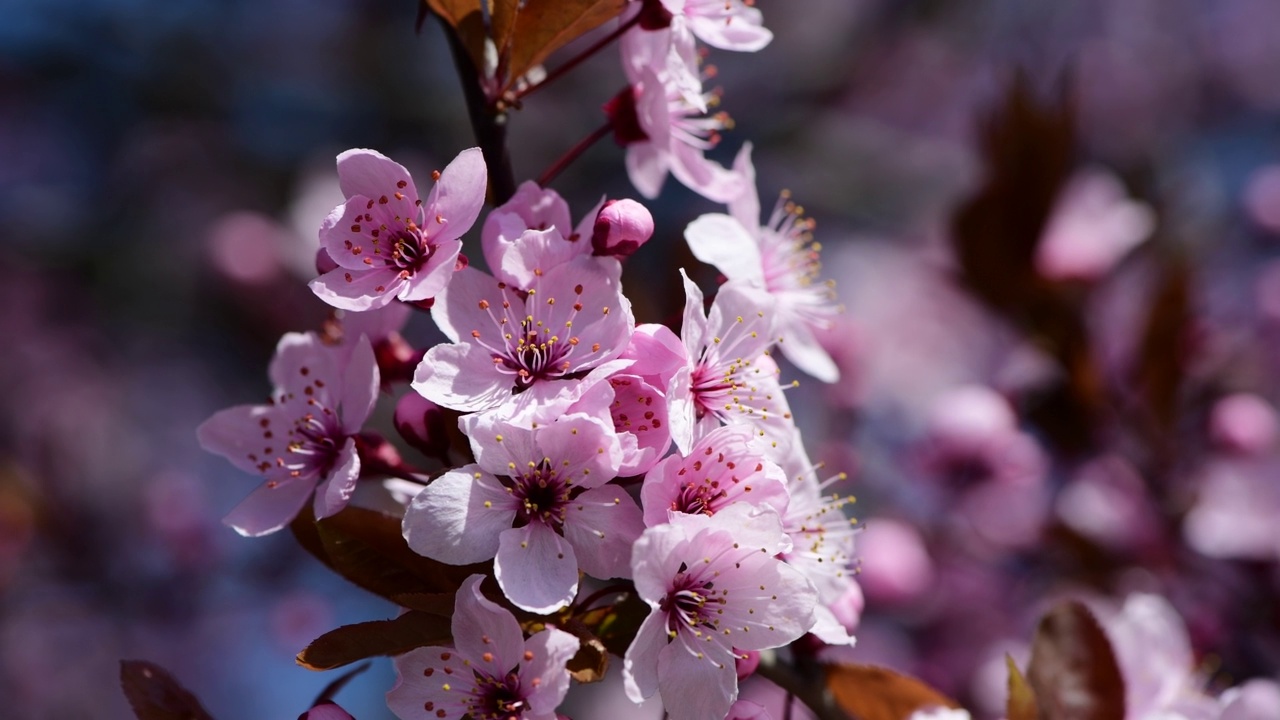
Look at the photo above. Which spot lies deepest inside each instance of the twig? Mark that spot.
(810, 689)
(572, 154)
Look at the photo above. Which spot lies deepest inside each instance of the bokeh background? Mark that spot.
(164, 168)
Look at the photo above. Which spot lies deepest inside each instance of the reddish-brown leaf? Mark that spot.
(1022, 699)
(1162, 354)
(466, 19)
(350, 643)
(367, 548)
(502, 22)
(1073, 670)
(155, 695)
(544, 26)
(868, 692)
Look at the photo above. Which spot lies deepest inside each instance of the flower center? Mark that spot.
(544, 495)
(411, 250)
(497, 699)
(691, 603)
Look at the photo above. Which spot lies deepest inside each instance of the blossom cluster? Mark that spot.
(597, 447)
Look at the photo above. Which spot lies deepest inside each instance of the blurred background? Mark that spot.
(1079, 400)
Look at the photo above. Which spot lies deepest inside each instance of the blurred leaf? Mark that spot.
(502, 21)
(1028, 147)
(1161, 357)
(592, 659)
(435, 603)
(466, 19)
(333, 688)
(350, 643)
(868, 692)
(1022, 699)
(544, 26)
(155, 695)
(1073, 670)
(367, 548)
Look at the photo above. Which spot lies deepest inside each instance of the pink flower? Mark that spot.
(729, 378)
(1243, 423)
(721, 469)
(664, 133)
(715, 589)
(779, 256)
(724, 24)
(388, 243)
(1092, 228)
(302, 438)
(493, 672)
(532, 345)
(537, 500)
(532, 233)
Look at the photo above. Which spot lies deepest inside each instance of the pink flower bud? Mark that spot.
(423, 425)
(1243, 423)
(747, 663)
(326, 711)
(621, 228)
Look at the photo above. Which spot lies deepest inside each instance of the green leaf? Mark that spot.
(1073, 670)
(868, 692)
(155, 695)
(350, 643)
(544, 26)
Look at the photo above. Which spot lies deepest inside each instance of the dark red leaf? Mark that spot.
(350, 643)
(155, 695)
(1073, 670)
(1163, 352)
(466, 20)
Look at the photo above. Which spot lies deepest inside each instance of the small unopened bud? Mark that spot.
(324, 263)
(747, 663)
(326, 711)
(423, 425)
(621, 228)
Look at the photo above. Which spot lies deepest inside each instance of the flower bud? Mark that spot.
(747, 663)
(423, 425)
(621, 228)
(326, 711)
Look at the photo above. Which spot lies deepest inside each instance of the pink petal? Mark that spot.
(746, 206)
(705, 177)
(457, 518)
(333, 494)
(743, 31)
(602, 525)
(806, 353)
(457, 196)
(357, 291)
(640, 665)
(536, 568)
(269, 508)
(372, 174)
(421, 678)
(461, 377)
(326, 711)
(586, 449)
(236, 434)
(722, 241)
(360, 383)
(348, 236)
(696, 682)
(647, 166)
(551, 649)
(299, 358)
(480, 626)
(496, 441)
(694, 327)
(458, 308)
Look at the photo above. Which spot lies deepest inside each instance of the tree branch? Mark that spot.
(488, 125)
(809, 687)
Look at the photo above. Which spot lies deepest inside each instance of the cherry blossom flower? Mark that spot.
(721, 469)
(537, 500)
(1093, 226)
(728, 378)
(301, 441)
(387, 242)
(664, 133)
(779, 256)
(534, 345)
(532, 233)
(715, 589)
(492, 673)
(822, 539)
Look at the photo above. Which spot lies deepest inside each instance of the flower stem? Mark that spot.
(488, 125)
(809, 687)
(572, 154)
(577, 60)
(619, 589)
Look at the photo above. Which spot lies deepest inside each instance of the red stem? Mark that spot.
(572, 154)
